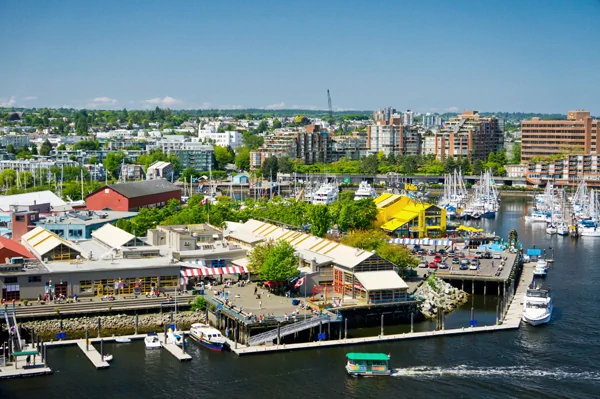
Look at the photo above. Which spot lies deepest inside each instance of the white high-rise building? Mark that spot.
(407, 117)
(210, 135)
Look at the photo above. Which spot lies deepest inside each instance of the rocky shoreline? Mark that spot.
(120, 324)
(434, 294)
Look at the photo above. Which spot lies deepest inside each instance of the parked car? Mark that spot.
(437, 258)
(487, 255)
(460, 254)
(422, 252)
(430, 252)
(443, 265)
(473, 266)
(451, 252)
(423, 264)
(442, 252)
(463, 266)
(433, 265)
(455, 261)
(497, 256)
(478, 255)
(465, 262)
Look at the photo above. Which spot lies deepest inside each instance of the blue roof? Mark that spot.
(534, 252)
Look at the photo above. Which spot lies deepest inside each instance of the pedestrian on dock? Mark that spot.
(260, 304)
(28, 360)
(255, 290)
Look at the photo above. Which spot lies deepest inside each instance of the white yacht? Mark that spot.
(551, 229)
(364, 191)
(537, 305)
(325, 195)
(538, 216)
(208, 337)
(540, 270)
(175, 337)
(152, 341)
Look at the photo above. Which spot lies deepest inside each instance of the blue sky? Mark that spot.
(537, 56)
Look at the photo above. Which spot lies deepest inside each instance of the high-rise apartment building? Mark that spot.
(384, 114)
(393, 139)
(542, 138)
(469, 135)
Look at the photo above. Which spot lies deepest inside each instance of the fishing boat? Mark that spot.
(107, 358)
(368, 364)
(152, 341)
(175, 337)
(123, 340)
(537, 306)
(208, 337)
(364, 191)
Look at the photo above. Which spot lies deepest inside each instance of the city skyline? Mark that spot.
(429, 57)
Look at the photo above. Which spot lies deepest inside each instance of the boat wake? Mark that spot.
(466, 371)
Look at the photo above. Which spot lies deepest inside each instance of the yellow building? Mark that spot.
(406, 217)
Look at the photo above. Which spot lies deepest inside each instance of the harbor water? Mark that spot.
(556, 360)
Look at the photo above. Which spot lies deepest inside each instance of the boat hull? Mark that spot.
(489, 215)
(355, 373)
(537, 321)
(213, 346)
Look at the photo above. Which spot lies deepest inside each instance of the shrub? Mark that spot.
(199, 303)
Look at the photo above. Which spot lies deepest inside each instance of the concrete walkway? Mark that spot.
(515, 309)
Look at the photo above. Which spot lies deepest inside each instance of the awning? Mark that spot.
(424, 241)
(193, 263)
(211, 271)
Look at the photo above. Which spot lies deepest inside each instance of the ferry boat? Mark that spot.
(368, 364)
(364, 191)
(152, 341)
(325, 195)
(208, 337)
(537, 306)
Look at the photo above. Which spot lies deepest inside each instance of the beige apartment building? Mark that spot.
(542, 138)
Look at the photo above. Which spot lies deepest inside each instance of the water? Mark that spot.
(557, 360)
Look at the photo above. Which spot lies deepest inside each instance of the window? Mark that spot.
(85, 287)
(10, 280)
(35, 279)
(20, 218)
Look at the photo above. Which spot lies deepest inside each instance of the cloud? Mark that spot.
(8, 103)
(102, 102)
(29, 98)
(166, 101)
(231, 106)
(452, 109)
(307, 107)
(279, 105)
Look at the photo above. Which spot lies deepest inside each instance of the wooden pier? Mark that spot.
(92, 354)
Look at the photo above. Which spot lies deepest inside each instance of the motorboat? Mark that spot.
(542, 263)
(538, 216)
(175, 337)
(537, 305)
(540, 270)
(551, 229)
(208, 337)
(325, 195)
(562, 229)
(107, 358)
(152, 341)
(123, 340)
(364, 191)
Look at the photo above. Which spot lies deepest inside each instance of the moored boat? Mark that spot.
(123, 340)
(175, 337)
(537, 306)
(208, 337)
(368, 364)
(364, 191)
(107, 358)
(152, 341)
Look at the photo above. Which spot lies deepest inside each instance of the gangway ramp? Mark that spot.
(13, 328)
(293, 328)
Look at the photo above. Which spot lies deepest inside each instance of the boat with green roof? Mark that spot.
(368, 364)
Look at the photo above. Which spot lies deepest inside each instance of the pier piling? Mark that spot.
(278, 333)
(346, 328)
(99, 328)
(102, 349)
(136, 323)
(412, 322)
(382, 325)
(87, 340)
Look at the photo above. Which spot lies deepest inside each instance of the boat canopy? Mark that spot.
(367, 356)
(534, 252)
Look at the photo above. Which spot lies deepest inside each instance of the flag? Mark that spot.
(300, 282)
(205, 201)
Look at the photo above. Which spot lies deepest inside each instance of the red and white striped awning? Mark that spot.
(211, 271)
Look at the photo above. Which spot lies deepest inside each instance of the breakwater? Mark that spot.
(118, 324)
(435, 295)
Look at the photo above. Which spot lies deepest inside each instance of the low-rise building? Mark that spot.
(211, 135)
(130, 197)
(564, 170)
(160, 170)
(80, 225)
(404, 216)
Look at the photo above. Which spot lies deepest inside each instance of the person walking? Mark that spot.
(260, 304)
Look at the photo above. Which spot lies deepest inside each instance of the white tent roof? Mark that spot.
(38, 197)
(381, 280)
(112, 236)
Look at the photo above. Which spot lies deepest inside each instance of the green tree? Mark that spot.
(91, 145)
(45, 148)
(270, 168)
(11, 149)
(252, 141)
(477, 167)
(34, 150)
(94, 160)
(222, 156)
(369, 240)
(262, 127)
(61, 147)
(81, 123)
(319, 219)
(285, 165)
(277, 124)
(449, 165)
(279, 261)
(8, 177)
(242, 158)
(113, 161)
(516, 153)
(369, 164)
(398, 255)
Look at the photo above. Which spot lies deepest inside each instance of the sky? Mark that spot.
(426, 55)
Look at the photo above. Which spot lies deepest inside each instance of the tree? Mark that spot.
(270, 167)
(285, 165)
(369, 240)
(61, 147)
(369, 164)
(278, 261)
(34, 150)
(94, 160)
(277, 124)
(477, 167)
(113, 161)
(319, 220)
(449, 165)
(91, 145)
(252, 141)
(516, 153)
(11, 149)
(262, 127)
(222, 156)
(398, 255)
(46, 148)
(242, 158)
(81, 123)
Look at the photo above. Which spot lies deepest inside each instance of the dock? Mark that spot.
(177, 351)
(20, 369)
(92, 354)
(515, 309)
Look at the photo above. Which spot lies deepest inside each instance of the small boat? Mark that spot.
(123, 340)
(562, 229)
(364, 191)
(537, 306)
(551, 229)
(152, 341)
(175, 337)
(107, 358)
(540, 270)
(542, 263)
(368, 364)
(208, 337)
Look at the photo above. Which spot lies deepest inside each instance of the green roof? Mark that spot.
(367, 356)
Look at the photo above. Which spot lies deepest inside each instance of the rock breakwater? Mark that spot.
(435, 295)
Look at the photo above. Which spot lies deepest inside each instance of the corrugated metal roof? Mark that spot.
(381, 280)
(39, 197)
(42, 241)
(112, 236)
(143, 188)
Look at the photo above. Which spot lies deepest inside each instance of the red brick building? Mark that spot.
(131, 197)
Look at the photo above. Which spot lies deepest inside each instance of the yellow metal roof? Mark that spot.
(394, 224)
(382, 197)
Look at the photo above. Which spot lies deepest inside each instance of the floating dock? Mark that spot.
(20, 369)
(92, 354)
(177, 351)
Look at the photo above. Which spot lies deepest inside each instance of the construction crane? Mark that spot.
(330, 109)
